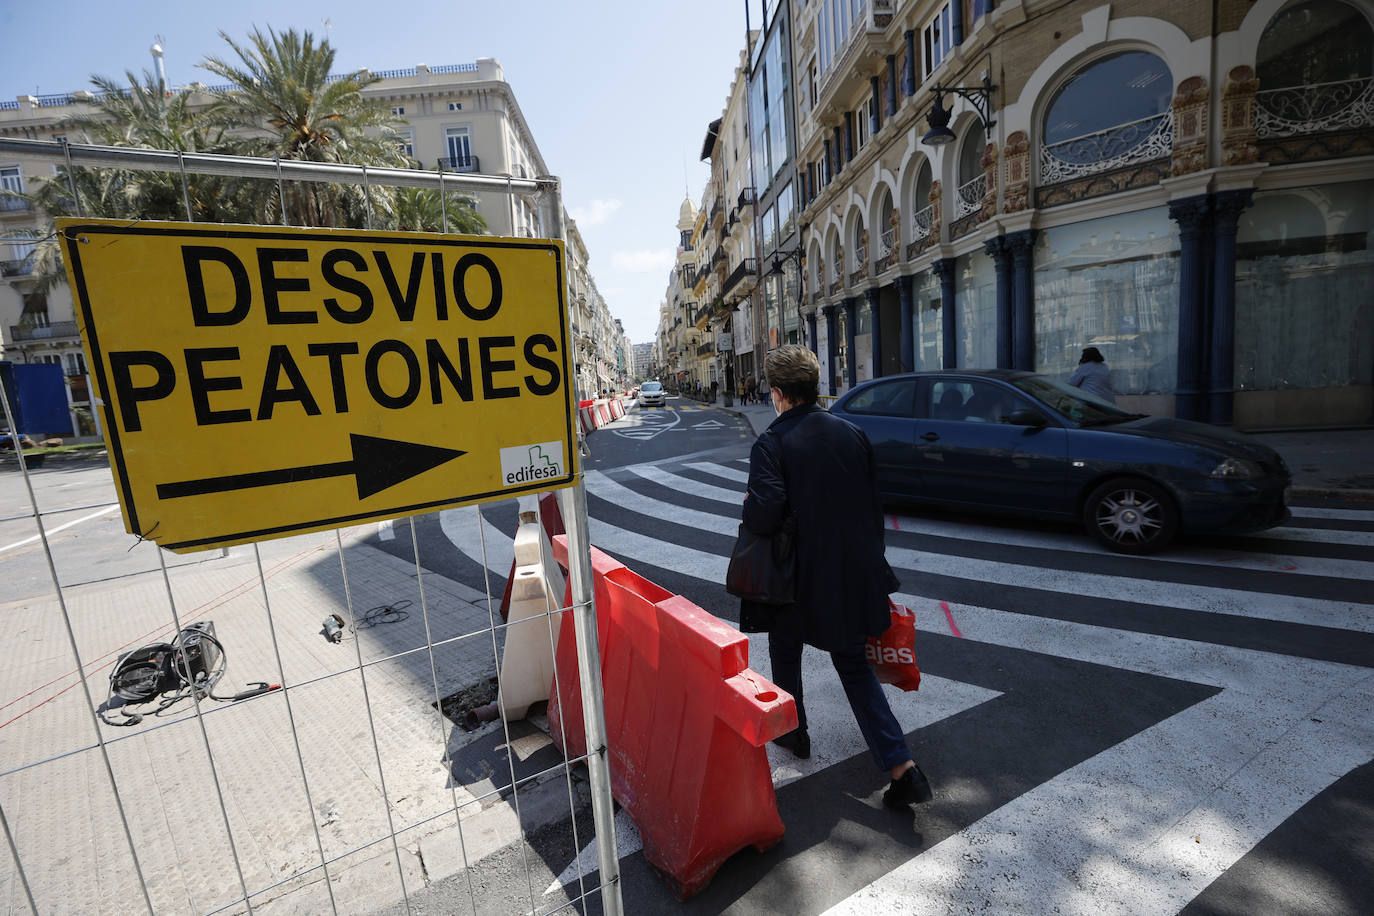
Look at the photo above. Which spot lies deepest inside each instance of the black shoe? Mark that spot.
(797, 741)
(911, 789)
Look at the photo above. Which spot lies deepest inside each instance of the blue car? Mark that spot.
(1022, 443)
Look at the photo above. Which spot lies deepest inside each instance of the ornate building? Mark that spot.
(1187, 187)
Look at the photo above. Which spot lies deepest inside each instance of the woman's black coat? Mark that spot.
(822, 468)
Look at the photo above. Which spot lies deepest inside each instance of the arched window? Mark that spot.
(887, 226)
(922, 209)
(1112, 113)
(972, 181)
(1314, 63)
(860, 247)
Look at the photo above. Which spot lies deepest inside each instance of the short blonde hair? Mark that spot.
(795, 371)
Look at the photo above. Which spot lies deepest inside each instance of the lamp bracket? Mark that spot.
(980, 97)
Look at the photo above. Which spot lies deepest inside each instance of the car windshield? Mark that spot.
(651, 387)
(1074, 403)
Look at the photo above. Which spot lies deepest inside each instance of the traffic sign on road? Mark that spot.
(262, 381)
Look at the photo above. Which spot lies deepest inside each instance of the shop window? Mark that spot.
(1112, 113)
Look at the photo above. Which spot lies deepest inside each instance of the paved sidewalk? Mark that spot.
(1326, 464)
(61, 808)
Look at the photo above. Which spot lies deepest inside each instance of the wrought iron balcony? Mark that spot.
(706, 349)
(19, 332)
(717, 211)
(1106, 150)
(1318, 109)
(748, 267)
(746, 197)
(969, 198)
(21, 268)
(461, 164)
(13, 203)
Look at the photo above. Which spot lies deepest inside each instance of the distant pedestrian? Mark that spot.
(1093, 376)
(820, 469)
(749, 383)
(763, 389)
(715, 386)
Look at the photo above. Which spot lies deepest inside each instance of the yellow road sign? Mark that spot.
(264, 381)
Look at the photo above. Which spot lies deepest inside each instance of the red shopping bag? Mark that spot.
(893, 655)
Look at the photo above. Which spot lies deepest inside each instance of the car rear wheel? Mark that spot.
(1130, 516)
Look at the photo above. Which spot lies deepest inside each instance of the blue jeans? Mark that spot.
(879, 726)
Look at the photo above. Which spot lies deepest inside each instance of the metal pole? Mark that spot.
(573, 504)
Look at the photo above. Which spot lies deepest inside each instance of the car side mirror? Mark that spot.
(1025, 416)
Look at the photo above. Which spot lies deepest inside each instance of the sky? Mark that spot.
(618, 93)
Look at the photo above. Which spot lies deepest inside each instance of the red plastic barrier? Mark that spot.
(603, 413)
(617, 409)
(587, 417)
(686, 724)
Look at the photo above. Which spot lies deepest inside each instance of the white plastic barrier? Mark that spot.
(531, 639)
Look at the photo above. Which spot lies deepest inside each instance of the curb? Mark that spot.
(1359, 495)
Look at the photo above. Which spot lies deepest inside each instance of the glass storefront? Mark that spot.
(930, 336)
(1110, 283)
(1304, 275)
(975, 313)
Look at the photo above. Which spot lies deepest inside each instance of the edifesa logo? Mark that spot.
(878, 655)
(524, 464)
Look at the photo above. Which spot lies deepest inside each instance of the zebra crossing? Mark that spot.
(1190, 703)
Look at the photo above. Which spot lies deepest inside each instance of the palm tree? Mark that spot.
(283, 102)
(420, 210)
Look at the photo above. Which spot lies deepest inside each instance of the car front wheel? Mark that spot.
(1130, 516)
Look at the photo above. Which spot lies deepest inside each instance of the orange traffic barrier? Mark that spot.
(687, 722)
(617, 408)
(603, 413)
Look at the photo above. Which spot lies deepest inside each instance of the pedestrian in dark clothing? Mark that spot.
(1093, 376)
(821, 469)
(715, 386)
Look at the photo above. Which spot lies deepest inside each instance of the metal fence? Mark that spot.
(350, 788)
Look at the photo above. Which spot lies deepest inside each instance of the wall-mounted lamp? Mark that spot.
(980, 97)
(781, 257)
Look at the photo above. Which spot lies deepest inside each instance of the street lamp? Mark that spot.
(780, 258)
(980, 97)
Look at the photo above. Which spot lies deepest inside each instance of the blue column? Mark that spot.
(1191, 215)
(1022, 247)
(891, 85)
(1000, 252)
(875, 121)
(1226, 209)
(832, 348)
(811, 333)
(909, 71)
(944, 269)
(906, 293)
(875, 312)
(851, 315)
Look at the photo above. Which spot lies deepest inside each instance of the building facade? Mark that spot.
(1187, 187)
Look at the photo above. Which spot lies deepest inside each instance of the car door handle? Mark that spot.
(931, 437)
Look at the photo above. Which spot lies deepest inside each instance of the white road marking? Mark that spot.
(1145, 826)
(51, 531)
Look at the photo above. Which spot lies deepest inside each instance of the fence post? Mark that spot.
(573, 504)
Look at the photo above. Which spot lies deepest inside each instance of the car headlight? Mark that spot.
(1237, 469)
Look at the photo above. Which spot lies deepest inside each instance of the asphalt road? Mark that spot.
(1184, 733)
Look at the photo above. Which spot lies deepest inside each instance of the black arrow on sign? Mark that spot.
(376, 465)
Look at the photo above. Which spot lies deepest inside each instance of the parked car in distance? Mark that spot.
(1017, 442)
(651, 395)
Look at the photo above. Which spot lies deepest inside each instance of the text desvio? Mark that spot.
(344, 288)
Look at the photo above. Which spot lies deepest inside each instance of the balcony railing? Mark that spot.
(1318, 109)
(15, 268)
(462, 164)
(19, 332)
(1106, 150)
(746, 196)
(13, 203)
(920, 222)
(706, 349)
(717, 210)
(748, 267)
(969, 198)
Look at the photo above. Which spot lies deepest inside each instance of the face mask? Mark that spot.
(777, 408)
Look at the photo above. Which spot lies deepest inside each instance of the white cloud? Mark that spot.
(645, 260)
(595, 213)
